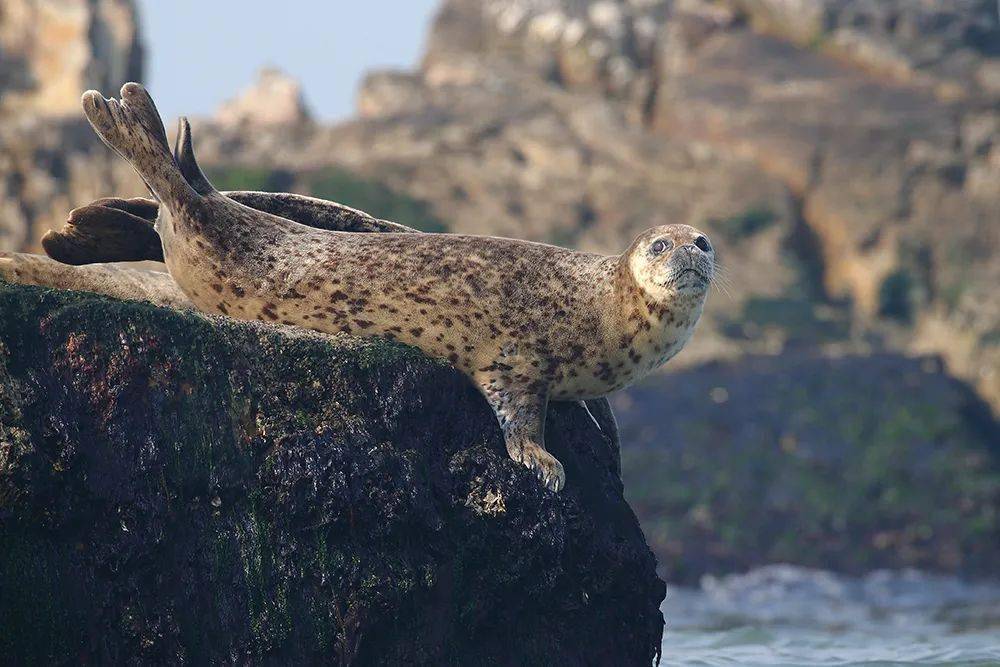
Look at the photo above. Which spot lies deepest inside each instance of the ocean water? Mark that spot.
(785, 615)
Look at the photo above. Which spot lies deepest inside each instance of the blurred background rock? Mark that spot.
(837, 404)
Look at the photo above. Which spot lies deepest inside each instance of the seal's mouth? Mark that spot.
(688, 278)
(693, 272)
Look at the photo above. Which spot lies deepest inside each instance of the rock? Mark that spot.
(389, 93)
(53, 50)
(853, 464)
(517, 124)
(274, 99)
(50, 52)
(803, 21)
(836, 134)
(179, 489)
(988, 76)
(939, 42)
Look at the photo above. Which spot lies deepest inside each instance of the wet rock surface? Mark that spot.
(176, 489)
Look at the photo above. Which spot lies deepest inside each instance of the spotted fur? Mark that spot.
(527, 322)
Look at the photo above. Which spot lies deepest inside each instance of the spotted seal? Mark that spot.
(526, 322)
(81, 255)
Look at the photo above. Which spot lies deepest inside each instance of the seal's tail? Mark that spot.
(132, 127)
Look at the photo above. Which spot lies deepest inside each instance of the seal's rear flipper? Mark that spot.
(133, 128)
(140, 207)
(184, 156)
(108, 230)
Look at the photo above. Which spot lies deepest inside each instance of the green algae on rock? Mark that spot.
(845, 463)
(180, 489)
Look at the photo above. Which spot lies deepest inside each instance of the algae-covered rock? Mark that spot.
(845, 463)
(178, 489)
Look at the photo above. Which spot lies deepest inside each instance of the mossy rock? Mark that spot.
(181, 489)
(849, 463)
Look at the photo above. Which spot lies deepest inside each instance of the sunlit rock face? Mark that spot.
(52, 50)
(877, 119)
(275, 98)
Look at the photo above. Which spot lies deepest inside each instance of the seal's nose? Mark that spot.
(703, 244)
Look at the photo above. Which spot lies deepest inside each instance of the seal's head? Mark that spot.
(671, 261)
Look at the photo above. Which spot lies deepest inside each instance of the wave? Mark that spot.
(789, 615)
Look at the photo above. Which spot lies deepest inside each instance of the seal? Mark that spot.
(526, 322)
(122, 230)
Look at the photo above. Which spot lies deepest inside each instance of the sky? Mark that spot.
(202, 52)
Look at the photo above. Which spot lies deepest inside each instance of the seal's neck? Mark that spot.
(659, 327)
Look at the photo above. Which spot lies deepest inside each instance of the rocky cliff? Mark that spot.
(50, 52)
(176, 489)
(844, 154)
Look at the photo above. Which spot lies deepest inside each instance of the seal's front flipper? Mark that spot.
(132, 128)
(109, 230)
(522, 420)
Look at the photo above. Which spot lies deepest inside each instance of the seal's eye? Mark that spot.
(660, 246)
(703, 244)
